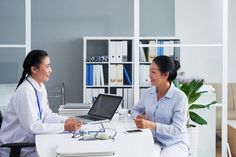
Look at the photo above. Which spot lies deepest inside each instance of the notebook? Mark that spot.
(103, 109)
(73, 147)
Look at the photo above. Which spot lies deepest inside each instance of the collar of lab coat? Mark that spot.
(38, 87)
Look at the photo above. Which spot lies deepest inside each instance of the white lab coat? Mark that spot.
(21, 120)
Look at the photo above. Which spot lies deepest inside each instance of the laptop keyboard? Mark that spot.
(90, 117)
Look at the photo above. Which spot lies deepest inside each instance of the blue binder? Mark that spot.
(127, 76)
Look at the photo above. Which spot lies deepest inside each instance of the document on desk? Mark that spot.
(75, 148)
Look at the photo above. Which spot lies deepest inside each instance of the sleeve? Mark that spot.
(51, 117)
(138, 108)
(178, 124)
(27, 113)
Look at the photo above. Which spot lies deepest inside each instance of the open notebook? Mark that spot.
(73, 147)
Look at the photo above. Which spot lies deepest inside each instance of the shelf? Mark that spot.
(108, 38)
(101, 86)
(12, 46)
(145, 63)
(97, 62)
(121, 62)
(122, 86)
(144, 86)
(109, 62)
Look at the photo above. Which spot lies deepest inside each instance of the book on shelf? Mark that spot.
(127, 77)
(94, 75)
(92, 93)
(124, 51)
(118, 51)
(151, 51)
(119, 74)
(144, 79)
(142, 57)
(160, 49)
(112, 51)
(127, 94)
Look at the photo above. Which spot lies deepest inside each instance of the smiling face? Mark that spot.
(42, 73)
(157, 78)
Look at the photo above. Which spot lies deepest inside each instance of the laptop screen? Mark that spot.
(105, 106)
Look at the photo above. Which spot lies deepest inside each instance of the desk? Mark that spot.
(133, 144)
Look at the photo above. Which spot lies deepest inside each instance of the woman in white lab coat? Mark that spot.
(28, 112)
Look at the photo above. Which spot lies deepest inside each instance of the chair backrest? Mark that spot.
(1, 118)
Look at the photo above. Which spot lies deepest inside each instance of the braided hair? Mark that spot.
(34, 58)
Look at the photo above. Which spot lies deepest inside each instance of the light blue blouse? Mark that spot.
(169, 113)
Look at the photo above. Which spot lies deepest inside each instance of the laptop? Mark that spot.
(103, 109)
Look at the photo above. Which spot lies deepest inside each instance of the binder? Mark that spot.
(98, 75)
(95, 92)
(90, 74)
(144, 79)
(119, 51)
(126, 76)
(87, 74)
(119, 74)
(130, 98)
(125, 97)
(112, 51)
(112, 74)
(124, 51)
(101, 75)
(151, 51)
(94, 74)
(120, 93)
(142, 57)
(160, 51)
(89, 95)
(171, 49)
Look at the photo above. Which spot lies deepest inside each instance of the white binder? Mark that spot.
(119, 74)
(142, 57)
(89, 95)
(151, 51)
(144, 79)
(101, 75)
(112, 51)
(119, 51)
(124, 51)
(112, 74)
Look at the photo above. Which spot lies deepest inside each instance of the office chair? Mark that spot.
(15, 147)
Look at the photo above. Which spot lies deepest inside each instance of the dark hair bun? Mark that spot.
(177, 65)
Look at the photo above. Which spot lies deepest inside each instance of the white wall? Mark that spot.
(200, 22)
(232, 41)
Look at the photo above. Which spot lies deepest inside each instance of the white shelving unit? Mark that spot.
(93, 47)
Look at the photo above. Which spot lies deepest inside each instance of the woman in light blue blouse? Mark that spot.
(163, 109)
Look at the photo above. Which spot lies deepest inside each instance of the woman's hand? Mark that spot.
(72, 124)
(142, 123)
(141, 116)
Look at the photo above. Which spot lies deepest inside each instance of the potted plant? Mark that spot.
(191, 89)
